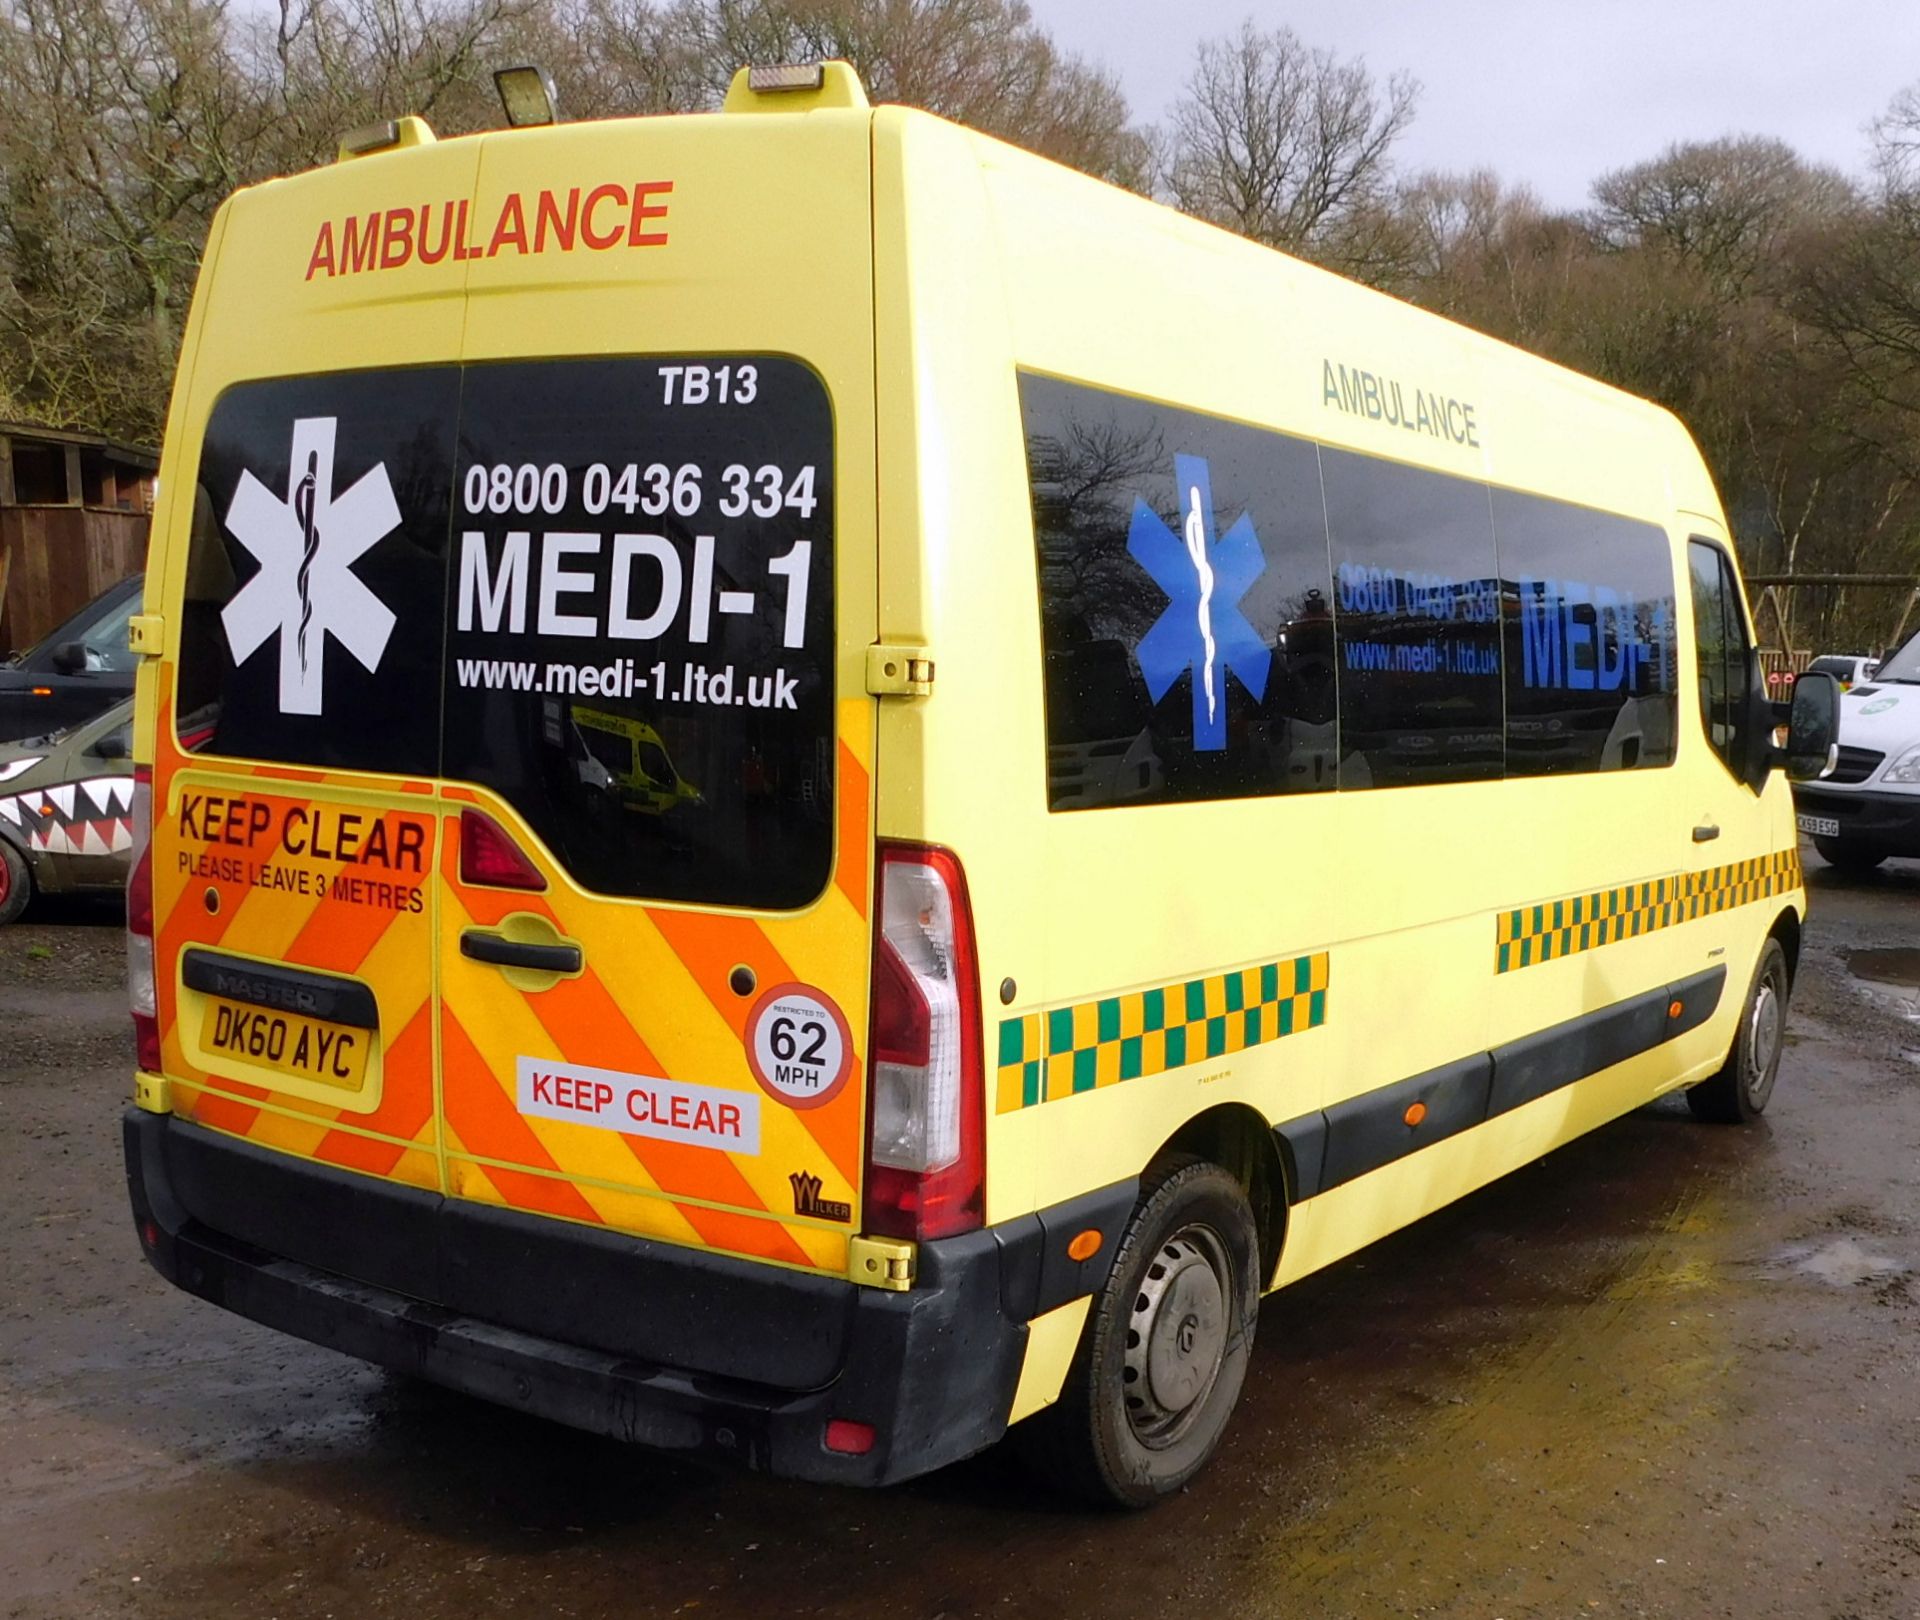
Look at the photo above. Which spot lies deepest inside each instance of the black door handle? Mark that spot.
(484, 946)
(1705, 833)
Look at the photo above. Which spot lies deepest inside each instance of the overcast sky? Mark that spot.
(1555, 92)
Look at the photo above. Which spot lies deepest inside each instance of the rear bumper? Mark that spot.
(932, 1369)
(1889, 822)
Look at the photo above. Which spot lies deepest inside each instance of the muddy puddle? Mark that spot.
(1898, 966)
(1889, 976)
(1842, 1262)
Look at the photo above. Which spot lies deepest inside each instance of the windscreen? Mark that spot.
(602, 588)
(1902, 667)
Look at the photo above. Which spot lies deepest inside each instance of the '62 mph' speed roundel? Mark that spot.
(798, 1046)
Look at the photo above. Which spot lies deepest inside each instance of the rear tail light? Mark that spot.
(140, 987)
(848, 1438)
(488, 855)
(925, 1154)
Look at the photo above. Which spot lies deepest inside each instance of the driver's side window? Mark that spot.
(1725, 657)
(106, 639)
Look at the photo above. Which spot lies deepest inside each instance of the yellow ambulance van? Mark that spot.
(1198, 764)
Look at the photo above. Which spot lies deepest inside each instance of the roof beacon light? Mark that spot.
(375, 137)
(527, 95)
(385, 136)
(787, 76)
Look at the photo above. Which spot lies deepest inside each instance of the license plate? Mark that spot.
(332, 1054)
(1819, 826)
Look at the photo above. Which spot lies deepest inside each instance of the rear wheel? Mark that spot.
(1845, 857)
(1739, 1092)
(16, 886)
(1165, 1348)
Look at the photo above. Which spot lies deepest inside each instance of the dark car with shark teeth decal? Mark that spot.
(66, 811)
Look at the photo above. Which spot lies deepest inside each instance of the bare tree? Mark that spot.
(122, 125)
(1286, 144)
(985, 63)
(1726, 206)
(1860, 290)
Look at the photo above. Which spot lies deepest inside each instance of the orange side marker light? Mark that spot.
(1415, 1113)
(1085, 1245)
(1676, 1008)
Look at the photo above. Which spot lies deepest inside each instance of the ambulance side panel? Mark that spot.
(1382, 909)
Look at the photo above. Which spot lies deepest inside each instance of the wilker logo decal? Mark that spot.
(807, 1199)
(306, 546)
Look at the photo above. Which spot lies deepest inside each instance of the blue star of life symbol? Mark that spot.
(1202, 627)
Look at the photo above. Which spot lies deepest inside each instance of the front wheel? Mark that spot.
(1857, 859)
(1738, 1093)
(1165, 1347)
(16, 884)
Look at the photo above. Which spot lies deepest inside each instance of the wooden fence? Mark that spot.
(55, 559)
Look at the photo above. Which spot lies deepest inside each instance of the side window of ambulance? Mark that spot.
(1417, 601)
(1720, 637)
(1591, 672)
(1185, 602)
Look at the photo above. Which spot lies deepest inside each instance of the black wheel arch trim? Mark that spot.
(1359, 1135)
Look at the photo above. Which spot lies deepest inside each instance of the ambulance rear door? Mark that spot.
(653, 933)
(300, 552)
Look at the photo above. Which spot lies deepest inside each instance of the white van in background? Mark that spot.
(1849, 669)
(1869, 807)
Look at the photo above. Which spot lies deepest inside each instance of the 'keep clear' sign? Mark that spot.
(639, 1105)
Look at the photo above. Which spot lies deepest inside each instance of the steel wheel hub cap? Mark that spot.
(1176, 1335)
(1763, 1038)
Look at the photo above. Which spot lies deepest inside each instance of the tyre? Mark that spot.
(1739, 1092)
(16, 884)
(1165, 1348)
(1858, 859)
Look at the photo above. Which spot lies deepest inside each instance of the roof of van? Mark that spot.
(1087, 207)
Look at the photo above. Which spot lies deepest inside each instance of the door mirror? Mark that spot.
(1813, 727)
(70, 658)
(111, 746)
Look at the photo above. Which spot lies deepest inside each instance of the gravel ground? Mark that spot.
(1670, 1371)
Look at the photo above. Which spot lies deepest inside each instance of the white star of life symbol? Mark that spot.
(306, 546)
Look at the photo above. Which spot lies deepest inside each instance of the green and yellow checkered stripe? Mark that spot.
(1045, 1056)
(1557, 928)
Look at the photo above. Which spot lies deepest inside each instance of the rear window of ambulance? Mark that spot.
(602, 588)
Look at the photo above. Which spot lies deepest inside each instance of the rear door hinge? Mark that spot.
(882, 1262)
(895, 671)
(144, 632)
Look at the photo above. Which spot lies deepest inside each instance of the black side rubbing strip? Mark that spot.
(1537, 1064)
(1365, 1133)
(1371, 1130)
(1698, 996)
(285, 989)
